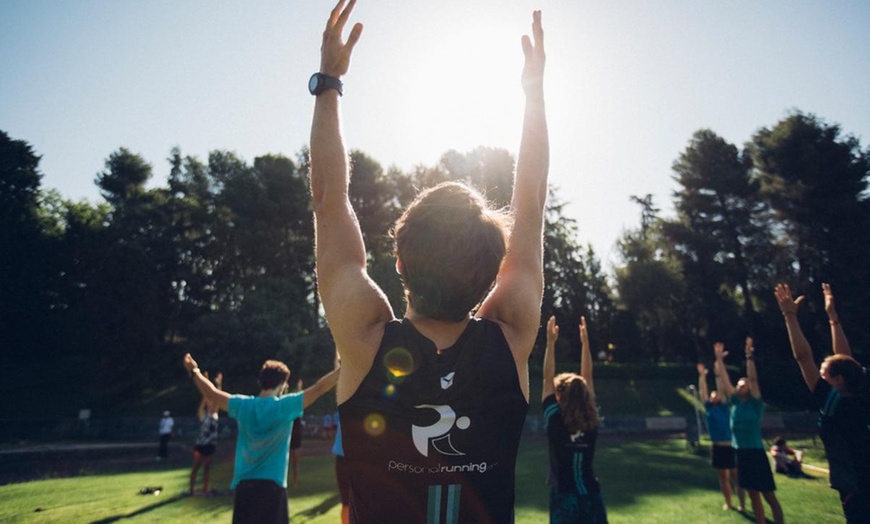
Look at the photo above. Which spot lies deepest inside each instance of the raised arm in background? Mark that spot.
(354, 305)
(515, 301)
(208, 390)
(204, 404)
(800, 348)
(323, 384)
(723, 381)
(586, 357)
(720, 378)
(751, 371)
(548, 388)
(838, 336)
(703, 391)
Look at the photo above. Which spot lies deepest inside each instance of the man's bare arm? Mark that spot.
(516, 300)
(353, 303)
(800, 348)
(206, 388)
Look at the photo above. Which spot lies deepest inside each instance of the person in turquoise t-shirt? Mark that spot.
(265, 424)
(753, 468)
(723, 457)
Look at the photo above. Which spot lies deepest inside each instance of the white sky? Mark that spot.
(627, 83)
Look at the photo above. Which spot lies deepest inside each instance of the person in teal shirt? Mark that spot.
(753, 468)
(265, 424)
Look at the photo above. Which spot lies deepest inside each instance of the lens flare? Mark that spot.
(399, 362)
(375, 425)
(390, 390)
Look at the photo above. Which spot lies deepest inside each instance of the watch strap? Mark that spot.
(326, 82)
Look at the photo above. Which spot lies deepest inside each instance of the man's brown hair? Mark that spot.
(450, 245)
(273, 374)
(851, 371)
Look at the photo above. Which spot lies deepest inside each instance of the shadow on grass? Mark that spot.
(628, 471)
(141, 511)
(314, 511)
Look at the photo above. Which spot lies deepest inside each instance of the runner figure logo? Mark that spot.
(438, 434)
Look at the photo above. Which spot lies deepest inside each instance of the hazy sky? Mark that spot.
(627, 83)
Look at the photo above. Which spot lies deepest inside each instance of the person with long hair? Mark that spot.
(206, 441)
(571, 416)
(753, 468)
(432, 405)
(722, 458)
(839, 387)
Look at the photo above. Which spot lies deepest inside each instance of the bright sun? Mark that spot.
(465, 90)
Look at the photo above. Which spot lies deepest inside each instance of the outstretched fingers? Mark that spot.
(830, 309)
(538, 30)
(339, 15)
(353, 38)
(188, 362)
(533, 70)
(335, 53)
(341, 21)
(552, 329)
(783, 297)
(584, 333)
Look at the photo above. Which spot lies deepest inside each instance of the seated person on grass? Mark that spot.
(785, 458)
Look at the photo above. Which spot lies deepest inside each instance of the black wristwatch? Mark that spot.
(320, 83)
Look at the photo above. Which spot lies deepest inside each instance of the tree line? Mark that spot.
(104, 297)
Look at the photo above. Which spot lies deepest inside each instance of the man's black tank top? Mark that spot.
(432, 437)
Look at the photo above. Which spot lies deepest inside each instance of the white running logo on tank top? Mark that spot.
(438, 434)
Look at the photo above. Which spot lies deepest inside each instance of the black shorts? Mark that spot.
(260, 501)
(206, 450)
(723, 457)
(296, 434)
(753, 470)
(343, 479)
(856, 506)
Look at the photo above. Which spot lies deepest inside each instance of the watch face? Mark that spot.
(314, 83)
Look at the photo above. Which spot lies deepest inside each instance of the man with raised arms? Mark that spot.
(432, 405)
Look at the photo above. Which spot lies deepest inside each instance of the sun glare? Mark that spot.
(466, 89)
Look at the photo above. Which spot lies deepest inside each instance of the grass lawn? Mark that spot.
(643, 481)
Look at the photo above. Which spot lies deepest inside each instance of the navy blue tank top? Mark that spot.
(432, 437)
(571, 455)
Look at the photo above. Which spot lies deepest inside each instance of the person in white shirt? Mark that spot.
(166, 425)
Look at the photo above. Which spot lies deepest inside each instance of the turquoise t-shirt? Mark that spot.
(746, 422)
(263, 443)
(337, 447)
